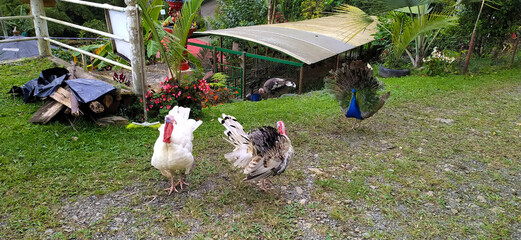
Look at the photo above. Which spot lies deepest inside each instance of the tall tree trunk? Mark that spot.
(515, 50)
(269, 11)
(472, 39)
(272, 9)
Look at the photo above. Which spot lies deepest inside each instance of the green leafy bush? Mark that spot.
(234, 13)
(94, 24)
(311, 9)
(63, 54)
(440, 63)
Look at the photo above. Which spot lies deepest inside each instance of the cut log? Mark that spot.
(112, 120)
(62, 96)
(49, 109)
(96, 107)
(107, 100)
(65, 97)
(75, 110)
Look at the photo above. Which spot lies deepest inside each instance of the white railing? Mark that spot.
(137, 60)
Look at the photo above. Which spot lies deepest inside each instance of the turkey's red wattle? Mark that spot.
(169, 127)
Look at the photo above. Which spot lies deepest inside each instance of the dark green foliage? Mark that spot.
(63, 54)
(234, 13)
(16, 8)
(94, 24)
(496, 24)
(384, 39)
(291, 9)
(355, 75)
(58, 30)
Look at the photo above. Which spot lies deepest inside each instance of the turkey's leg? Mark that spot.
(268, 181)
(172, 186)
(263, 184)
(181, 182)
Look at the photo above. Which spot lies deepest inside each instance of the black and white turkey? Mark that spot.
(263, 152)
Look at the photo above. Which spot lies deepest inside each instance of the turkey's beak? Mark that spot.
(169, 127)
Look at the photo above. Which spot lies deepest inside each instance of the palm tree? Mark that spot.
(421, 28)
(471, 44)
(175, 52)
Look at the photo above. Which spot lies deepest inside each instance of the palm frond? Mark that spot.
(377, 7)
(405, 33)
(174, 52)
(359, 20)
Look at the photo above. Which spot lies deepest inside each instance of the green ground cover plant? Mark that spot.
(440, 160)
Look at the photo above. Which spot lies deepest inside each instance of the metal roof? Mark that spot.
(309, 41)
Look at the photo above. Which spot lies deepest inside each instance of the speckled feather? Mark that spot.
(263, 152)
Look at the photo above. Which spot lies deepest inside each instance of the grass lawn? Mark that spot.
(441, 160)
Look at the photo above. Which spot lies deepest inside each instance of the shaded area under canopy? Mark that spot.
(309, 41)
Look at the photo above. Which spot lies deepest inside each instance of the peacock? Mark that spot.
(356, 90)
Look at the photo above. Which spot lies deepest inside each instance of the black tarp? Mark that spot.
(88, 90)
(45, 85)
(85, 90)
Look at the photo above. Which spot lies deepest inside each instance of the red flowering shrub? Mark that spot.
(220, 95)
(192, 95)
(279, 18)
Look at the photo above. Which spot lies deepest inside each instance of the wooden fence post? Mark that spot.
(40, 28)
(137, 59)
(243, 68)
(301, 76)
(214, 57)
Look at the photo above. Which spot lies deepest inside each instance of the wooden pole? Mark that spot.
(337, 61)
(214, 57)
(221, 46)
(515, 50)
(471, 45)
(84, 62)
(137, 59)
(301, 76)
(243, 67)
(40, 27)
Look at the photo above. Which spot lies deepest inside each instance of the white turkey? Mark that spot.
(263, 152)
(173, 148)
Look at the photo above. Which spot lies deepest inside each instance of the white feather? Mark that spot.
(176, 155)
(240, 156)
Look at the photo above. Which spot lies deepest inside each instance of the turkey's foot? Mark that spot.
(265, 184)
(181, 182)
(172, 186)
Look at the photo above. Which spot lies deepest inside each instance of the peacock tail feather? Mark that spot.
(355, 75)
